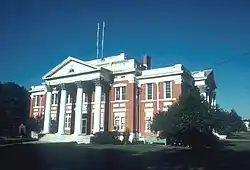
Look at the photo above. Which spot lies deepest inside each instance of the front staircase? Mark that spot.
(55, 138)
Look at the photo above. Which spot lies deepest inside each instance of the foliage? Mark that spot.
(188, 116)
(126, 135)
(190, 121)
(35, 124)
(14, 105)
(106, 138)
(225, 122)
(53, 126)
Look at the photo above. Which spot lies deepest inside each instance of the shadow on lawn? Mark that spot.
(51, 156)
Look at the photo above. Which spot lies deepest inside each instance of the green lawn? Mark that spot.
(235, 155)
(243, 135)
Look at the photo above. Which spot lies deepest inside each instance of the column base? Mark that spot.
(44, 132)
(76, 134)
(59, 133)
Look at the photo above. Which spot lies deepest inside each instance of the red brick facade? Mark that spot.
(135, 113)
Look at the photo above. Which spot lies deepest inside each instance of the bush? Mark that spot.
(200, 140)
(106, 138)
(126, 135)
(34, 124)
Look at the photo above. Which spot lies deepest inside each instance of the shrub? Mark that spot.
(126, 135)
(106, 138)
(33, 124)
(200, 140)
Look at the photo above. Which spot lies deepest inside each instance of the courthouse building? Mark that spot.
(84, 97)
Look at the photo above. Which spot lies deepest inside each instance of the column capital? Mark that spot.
(98, 81)
(63, 86)
(48, 88)
(79, 84)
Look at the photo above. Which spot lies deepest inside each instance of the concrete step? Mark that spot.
(55, 138)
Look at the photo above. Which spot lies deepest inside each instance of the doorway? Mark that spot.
(84, 126)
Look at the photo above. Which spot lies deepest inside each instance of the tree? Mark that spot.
(184, 120)
(236, 122)
(35, 124)
(226, 123)
(14, 105)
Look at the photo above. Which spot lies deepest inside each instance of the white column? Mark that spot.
(62, 110)
(157, 96)
(78, 110)
(97, 113)
(47, 114)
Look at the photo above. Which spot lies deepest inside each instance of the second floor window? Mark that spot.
(120, 93)
(36, 100)
(168, 90)
(69, 99)
(54, 98)
(149, 91)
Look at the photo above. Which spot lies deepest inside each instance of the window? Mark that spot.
(69, 99)
(123, 123)
(149, 91)
(123, 93)
(168, 90)
(120, 93)
(54, 98)
(165, 108)
(119, 123)
(36, 100)
(86, 97)
(148, 122)
(67, 121)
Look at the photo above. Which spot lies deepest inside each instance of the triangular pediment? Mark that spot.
(70, 66)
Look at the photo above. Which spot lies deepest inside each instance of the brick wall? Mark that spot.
(129, 105)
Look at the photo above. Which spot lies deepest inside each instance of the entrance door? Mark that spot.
(84, 125)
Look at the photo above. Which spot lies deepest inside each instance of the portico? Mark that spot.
(79, 79)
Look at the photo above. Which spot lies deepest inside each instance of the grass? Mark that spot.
(48, 156)
(242, 135)
(6, 140)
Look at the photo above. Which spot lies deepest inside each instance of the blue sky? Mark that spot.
(36, 35)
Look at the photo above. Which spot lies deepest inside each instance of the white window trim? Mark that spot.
(171, 89)
(151, 119)
(36, 100)
(119, 118)
(120, 85)
(40, 100)
(54, 98)
(120, 97)
(68, 99)
(67, 116)
(152, 91)
(86, 124)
